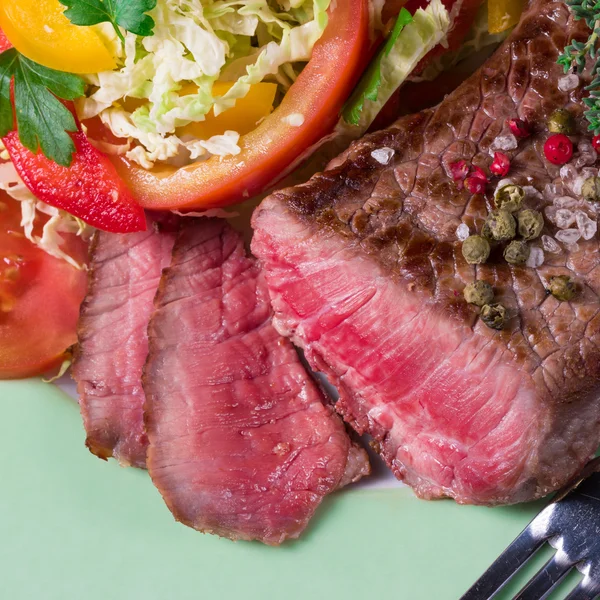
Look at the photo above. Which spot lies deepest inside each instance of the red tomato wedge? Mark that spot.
(89, 189)
(39, 299)
(275, 146)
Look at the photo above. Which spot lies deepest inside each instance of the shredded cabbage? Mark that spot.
(478, 40)
(199, 42)
(60, 221)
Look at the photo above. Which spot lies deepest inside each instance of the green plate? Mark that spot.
(74, 527)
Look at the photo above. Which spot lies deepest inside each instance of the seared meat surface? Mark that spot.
(242, 443)
(113, 340)
(366, 274)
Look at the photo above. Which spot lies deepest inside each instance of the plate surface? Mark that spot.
(75, 527)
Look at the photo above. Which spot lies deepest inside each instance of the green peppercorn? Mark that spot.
(561, 121)
(516, 253)
(509, 197)
(562, 287)
(531, 224)
(476, 250)
(478, 293)
(590, 190)
(500, 225)
(494, 315)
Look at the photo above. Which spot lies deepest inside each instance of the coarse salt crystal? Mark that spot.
(551, 245)
(532, 193)
(568, 236)
(565, 202)
(568, 83)
(551, 191)
(572, 247)
(536, 257)
(587, 154)
(505, 142)
(568, 172)
(564, 218)
(462, 232)
(383, 155)
(550, 212)
(586, 226)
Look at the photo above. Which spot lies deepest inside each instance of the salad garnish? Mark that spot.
(42, 120)
(411, 40)
(127, 14)
(371, 83)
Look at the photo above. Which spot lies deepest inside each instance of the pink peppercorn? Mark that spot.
(459, 170)
(558, 149)
(479, 173)
(501, 164)
(475, 184)
(519, 128)
(596, 143)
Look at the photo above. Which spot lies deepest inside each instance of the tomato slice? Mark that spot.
(39, 299)
(275, 146)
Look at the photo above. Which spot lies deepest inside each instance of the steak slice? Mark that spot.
(113, 340)
(242, 443)
(366, 274)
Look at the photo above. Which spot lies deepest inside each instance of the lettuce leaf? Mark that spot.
(410, 41)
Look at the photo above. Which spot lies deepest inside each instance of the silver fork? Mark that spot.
(571, 525)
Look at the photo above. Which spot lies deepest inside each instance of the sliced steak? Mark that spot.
(242, 443)
(113, 340)
(366, 275)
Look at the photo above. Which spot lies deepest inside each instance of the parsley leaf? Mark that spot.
(368, 88)
(42, 120)
(7, 67)
(128, 14)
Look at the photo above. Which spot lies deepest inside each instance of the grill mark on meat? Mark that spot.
(124, 276)
(333, 231)
(242, 443)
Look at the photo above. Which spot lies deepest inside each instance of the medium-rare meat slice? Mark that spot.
(242, 443)
(113, 340)
(366, 274)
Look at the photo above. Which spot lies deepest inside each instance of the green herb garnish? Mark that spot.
(42, 120)
(368, 88)
(128, 14)
(575, 55)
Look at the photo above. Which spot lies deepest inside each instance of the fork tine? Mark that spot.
(545, 579)
(505, 566)
(583, 593)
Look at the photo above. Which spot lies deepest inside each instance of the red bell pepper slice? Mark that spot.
(275, 146)
(4, 43)
(89, 189)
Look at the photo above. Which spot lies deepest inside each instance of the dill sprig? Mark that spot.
(575, 55)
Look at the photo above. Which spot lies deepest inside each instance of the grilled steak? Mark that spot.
(366, 274)
(113, 341)
(241, 441)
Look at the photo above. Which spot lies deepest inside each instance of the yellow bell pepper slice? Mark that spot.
(243, 117)
(39, 30)
(503, 14)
